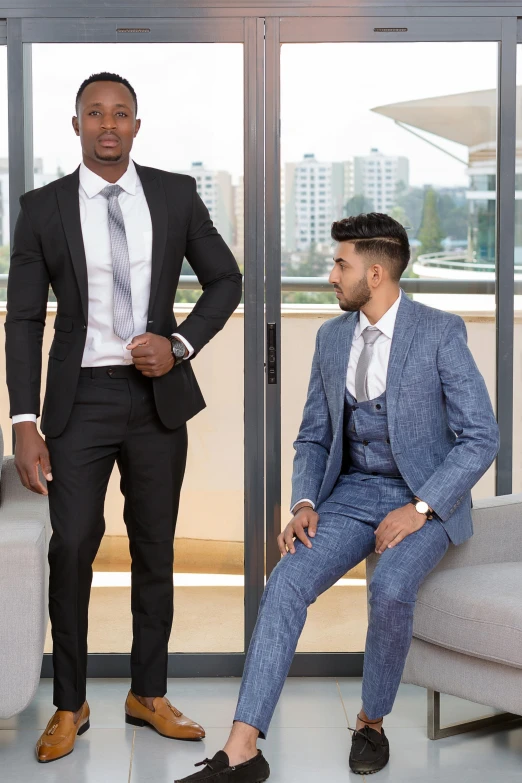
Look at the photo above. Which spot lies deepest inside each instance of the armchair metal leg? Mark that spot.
(502, 720)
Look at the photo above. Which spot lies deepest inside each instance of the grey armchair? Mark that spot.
(24, 539)
(467, 635)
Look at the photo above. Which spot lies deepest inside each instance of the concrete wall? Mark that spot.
(212, 499)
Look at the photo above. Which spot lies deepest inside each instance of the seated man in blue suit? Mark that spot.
(397, 428)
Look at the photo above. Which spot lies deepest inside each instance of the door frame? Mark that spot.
(262, 38)
(21, 33)
(375, 27)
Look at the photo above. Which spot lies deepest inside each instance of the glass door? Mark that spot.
(198, 99)
(398, 116)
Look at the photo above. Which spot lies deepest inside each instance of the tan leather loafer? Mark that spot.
(164, 718)
(60, 735)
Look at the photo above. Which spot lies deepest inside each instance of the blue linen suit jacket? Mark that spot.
(442, 428)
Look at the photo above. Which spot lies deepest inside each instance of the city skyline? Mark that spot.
(202, 116)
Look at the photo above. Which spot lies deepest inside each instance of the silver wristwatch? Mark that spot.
(178, 350)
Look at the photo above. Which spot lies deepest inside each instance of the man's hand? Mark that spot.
(152, 354)
(397, 525)
(30, 454)
(305, 517)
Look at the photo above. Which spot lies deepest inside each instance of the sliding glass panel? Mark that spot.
(407, 129)
(5, 421)
(190, 100)
(517, 348)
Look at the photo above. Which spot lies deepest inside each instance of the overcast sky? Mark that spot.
(190, 100)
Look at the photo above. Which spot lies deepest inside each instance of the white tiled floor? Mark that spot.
(308, 740)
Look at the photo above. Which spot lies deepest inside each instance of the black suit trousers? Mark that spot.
(114, 419)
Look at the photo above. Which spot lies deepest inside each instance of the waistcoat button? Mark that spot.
(366, 443)
(378, 407)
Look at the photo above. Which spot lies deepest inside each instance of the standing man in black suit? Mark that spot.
(110, 239)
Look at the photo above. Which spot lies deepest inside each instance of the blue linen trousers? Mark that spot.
(345, 536)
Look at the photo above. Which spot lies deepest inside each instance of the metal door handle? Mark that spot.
(271, 347)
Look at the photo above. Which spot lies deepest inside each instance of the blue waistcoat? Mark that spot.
(366, 439)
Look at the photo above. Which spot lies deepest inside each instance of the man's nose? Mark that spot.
(333, 276)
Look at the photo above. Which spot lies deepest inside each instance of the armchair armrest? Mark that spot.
(17, 502)
(497, 524)
(497, 538)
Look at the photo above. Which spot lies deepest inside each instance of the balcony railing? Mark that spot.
(320, 284)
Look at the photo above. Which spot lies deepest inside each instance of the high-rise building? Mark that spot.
(40, 179)
(314, 196)
(215, 189)
(376, 177)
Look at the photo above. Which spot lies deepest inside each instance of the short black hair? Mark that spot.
(104, 76)
(376, 235)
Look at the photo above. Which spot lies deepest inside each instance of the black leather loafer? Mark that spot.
(218, 770)
(370, 751)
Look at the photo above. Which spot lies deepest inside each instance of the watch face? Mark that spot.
(178, 349)
(422, 507)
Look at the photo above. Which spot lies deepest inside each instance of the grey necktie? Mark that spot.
(370, 335)
(123, 322)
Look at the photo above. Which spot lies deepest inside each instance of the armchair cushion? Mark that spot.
(475, 610)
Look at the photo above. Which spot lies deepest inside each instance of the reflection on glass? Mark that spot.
(415, 139)
(183, 91)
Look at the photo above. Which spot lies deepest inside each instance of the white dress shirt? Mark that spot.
(102, 346)
(378, 369)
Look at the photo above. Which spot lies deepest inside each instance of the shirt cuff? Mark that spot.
(303, 500)
(24, 417)
(185, 343)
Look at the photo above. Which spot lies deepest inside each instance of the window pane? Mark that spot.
(5, 421)
(421, 149)
(517, 348)
(183, 90)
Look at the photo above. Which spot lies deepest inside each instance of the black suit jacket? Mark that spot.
(48, 250)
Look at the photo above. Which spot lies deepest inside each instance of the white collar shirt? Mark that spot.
(378, 369)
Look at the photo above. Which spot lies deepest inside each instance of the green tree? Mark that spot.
(411, 200)
(430, 233)
(358, 205)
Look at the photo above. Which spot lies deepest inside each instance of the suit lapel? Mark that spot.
(338, 358)
(69, 206)
(405, 326)
(157, 201)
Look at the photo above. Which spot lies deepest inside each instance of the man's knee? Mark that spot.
(388, 592)
(289, 584)
(71, 545)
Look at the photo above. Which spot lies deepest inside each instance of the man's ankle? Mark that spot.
(241, 745)
(364, 720)
(145, 701)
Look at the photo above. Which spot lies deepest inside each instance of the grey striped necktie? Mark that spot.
(123, 322)
(370, 335)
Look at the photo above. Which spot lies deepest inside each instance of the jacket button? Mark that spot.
(366, 443)
(387, 440)
(84, 327)
(378, 407)
(110, 371)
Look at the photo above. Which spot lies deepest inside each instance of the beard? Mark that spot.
(111, 156)
(359, 296)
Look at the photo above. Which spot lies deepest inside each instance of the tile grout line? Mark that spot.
(363, 777)
(132, 755)
(342, 703)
